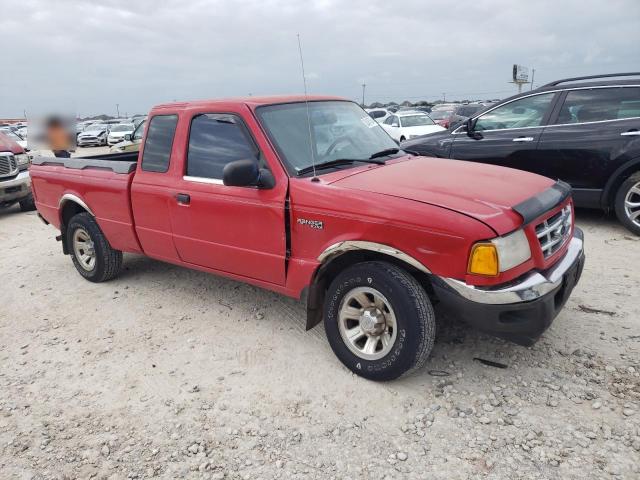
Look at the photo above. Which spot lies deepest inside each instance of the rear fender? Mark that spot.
(68, 206)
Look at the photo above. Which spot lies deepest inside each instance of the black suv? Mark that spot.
(584, 130)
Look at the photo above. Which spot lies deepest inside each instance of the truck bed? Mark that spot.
(101, 182)
(121, 163)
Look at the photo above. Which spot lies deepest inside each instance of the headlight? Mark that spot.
(22, 159)
(499, 254)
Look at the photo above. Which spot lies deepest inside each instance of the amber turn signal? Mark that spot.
(484, 260)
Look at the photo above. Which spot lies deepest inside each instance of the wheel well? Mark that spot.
(326, 272)
(68, 211)
(618, 179)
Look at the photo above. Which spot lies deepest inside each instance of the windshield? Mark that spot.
(338, 129)
(123, 127)
(415, 121)
(12, 135)
(440, 114)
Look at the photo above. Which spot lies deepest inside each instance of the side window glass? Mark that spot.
(526, 112)
(216, 140)
(600, 104)
(157, 147)
(394, 121)
(388, 120)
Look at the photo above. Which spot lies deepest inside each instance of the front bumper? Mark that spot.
(15, 189)
(521, 310)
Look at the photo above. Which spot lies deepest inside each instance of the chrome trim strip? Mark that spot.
(211, 181)
(341, 247)
(70, 197)
(534, 286)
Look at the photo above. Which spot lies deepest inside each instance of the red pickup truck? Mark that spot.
(311, 198)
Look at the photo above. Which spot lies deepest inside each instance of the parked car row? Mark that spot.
(103, 133)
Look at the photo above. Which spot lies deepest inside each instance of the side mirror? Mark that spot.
(246, 173)
(470, 125)
(127, 137)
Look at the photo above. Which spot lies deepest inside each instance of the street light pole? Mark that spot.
(118, 109)
(444, 97)
(364, 85)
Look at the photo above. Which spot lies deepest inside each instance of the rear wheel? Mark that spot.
(379, 320)
(627, 203)
(90, 251)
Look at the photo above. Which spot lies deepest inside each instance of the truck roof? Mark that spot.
(252, 102)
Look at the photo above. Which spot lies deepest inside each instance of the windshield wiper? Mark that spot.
(336, 163)
(392, 151)
(385, 152)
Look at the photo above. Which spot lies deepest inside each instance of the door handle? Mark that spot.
(183, 198)
(523, 139)
(631, 133)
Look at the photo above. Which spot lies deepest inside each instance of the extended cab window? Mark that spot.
(598, 104)
(525, 112)
(157, 147)
(216, 140)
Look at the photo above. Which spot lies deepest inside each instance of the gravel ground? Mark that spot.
(171, 373)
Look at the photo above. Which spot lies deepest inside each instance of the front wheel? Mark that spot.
(627, 203)
(379, 320)
(90, 250)
(27, 205)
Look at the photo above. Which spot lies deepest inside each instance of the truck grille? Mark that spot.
(8, 165)
(554, 231)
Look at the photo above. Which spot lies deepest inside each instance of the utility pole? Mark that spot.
(118, 109)
(444, 97)
(364, 85)
(533, 74)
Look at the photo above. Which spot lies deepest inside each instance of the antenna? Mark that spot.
(306, 101)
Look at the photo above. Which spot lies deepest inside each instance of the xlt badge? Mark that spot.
(317, 224)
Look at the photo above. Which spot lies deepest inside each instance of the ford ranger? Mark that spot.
(311, 198)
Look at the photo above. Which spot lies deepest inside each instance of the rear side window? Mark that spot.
(157, 146)
(599, 104)
(216, 140)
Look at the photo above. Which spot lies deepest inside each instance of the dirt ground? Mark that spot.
(171, 373)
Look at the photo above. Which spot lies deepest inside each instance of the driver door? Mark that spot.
(508, 135)
(237, 230)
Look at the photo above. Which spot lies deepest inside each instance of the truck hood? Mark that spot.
(484, 192)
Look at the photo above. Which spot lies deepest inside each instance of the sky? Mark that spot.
(89, 56)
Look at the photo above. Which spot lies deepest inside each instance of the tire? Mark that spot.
(627, 196)
(409, 320)
(27, 205)
(90, 251)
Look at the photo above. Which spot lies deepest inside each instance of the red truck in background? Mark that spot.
(310, 197)
(15, 183)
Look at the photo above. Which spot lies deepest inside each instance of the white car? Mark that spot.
(118, 132)
(406, 125)
(378, 114)
(94, 135)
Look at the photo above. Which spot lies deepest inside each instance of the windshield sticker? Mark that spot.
(368, 121)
